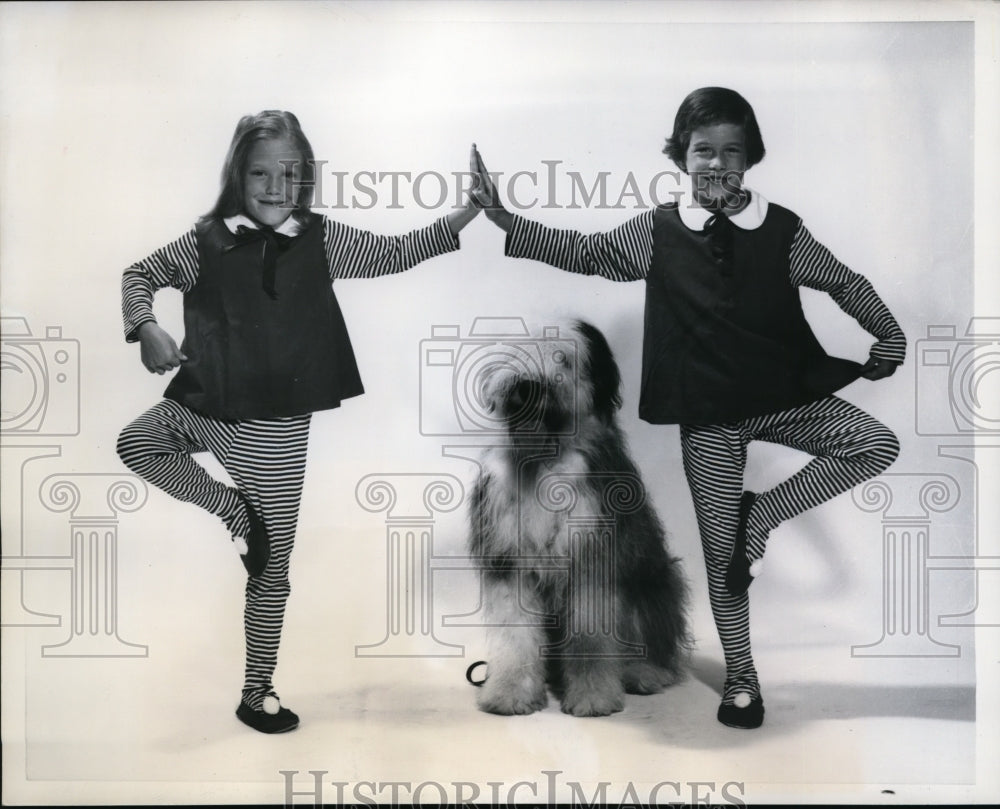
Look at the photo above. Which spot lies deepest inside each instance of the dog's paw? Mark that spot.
(646, 678)
(507, 699)
(590, 703)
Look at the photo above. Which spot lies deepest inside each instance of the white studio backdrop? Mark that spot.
(115, 119)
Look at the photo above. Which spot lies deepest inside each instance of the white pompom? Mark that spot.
(742, 700)
(756, 567)
(271, 705)
(241, 545)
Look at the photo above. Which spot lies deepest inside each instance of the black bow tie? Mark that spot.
(718, 224)
(719, 231)
(272, 244)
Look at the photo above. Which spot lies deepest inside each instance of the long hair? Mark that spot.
(269, 124)
(713, 105)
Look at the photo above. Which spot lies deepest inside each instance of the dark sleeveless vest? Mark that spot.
(263, 347)
(725, 338)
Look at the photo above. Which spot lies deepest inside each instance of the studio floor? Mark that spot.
(159, 727)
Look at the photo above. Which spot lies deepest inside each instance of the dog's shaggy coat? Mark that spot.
(580, 592)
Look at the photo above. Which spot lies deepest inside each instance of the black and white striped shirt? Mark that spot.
(624, 254)
(350, 253)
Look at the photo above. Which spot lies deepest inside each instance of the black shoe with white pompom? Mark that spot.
(271, 718)
(744, 712)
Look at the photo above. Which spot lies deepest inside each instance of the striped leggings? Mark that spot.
(848, 446)
(266, 460)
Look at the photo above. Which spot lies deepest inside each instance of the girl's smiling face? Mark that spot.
(716, 159)
(271, 180)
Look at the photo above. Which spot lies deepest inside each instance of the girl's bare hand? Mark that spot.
(159, 352)
(877, 368)
(484, 193)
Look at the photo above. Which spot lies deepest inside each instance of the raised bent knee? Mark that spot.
(126, 446)
(883, 450)
(134, 445)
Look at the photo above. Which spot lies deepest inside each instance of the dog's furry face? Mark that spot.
(566, 381)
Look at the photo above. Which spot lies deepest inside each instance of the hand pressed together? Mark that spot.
(460, 217)
(485, 195)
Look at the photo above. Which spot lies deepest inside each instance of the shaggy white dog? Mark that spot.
(580, 592)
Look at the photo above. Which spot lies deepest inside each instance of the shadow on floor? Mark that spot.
(832, 700)
(682, 716)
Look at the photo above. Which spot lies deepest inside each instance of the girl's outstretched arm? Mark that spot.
(459, 219)
(355, 253)
(622, 254)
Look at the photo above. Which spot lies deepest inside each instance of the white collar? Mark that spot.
(290, 227)
(695, 217)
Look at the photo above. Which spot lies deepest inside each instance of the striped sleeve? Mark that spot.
(175, 265)
(355, 253)
(814, 266)
(622, 254)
